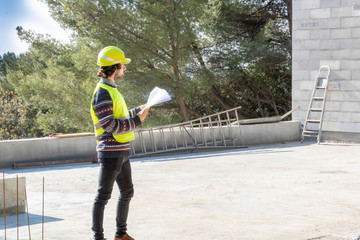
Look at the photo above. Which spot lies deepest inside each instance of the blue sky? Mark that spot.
(31, 15)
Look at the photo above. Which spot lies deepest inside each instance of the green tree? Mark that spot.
(162, 38)
(16, 119)
(52, 80)
(252, 57)
(210, 55)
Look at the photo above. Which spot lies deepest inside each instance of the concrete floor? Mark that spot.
(287, 191)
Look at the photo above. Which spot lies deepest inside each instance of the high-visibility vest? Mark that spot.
(120, 112)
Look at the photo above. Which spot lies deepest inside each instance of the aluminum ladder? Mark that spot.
(213, 131)
(314, 117)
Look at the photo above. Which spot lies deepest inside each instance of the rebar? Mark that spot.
(43, 208)
(27, 212)
(4, 203)
(17, 207)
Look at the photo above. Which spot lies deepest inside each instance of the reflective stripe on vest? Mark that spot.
(120, 112)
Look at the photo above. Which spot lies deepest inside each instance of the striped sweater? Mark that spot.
(108, 147)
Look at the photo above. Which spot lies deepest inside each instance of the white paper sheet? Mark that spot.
(157, 96)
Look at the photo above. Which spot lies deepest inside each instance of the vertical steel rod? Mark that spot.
(43, 199)
(17, 207)
(4, 203)
(27, 212)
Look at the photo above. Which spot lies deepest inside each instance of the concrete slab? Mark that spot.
(275, 192)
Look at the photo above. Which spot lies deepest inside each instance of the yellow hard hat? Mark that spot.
(112, 55)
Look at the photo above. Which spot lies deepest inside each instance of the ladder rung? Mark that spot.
(318, 98)
(309, 135)
(311, 132)
(320, 87)
(313, 121)
(316, 109)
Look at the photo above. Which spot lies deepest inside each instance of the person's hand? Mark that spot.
(143, 113)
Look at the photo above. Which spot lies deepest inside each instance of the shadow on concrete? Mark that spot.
(11, 220)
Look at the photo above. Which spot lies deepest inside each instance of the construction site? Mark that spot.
(295, 176)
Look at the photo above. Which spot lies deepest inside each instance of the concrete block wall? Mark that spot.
(327, 32)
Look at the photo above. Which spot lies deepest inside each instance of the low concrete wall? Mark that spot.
(50, 149)
(46, 149)
(14, 195)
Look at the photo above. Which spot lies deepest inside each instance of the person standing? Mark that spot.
(114, 125)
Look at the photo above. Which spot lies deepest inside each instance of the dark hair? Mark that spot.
(107, 71)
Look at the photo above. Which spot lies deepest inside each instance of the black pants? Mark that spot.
(111, 170)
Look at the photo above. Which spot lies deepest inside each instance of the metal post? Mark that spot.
(17, 207)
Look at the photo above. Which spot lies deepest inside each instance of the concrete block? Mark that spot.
(330, 44)
(319, 34)
(349, 127)
(307, 85)
(334, 85)
(299, 75)
(341, 54)
(305, 64)
(355, 74)
(350, 107)
(355, 32)
(13, 192)
(310, 44)
(306, 4)
(350, 43)
(299, 115)
(302, 104)
(333, 64)
(301, 54)
(348, 3)
(350, 22)
(355, 117)
(301, 35)
(305, 24)
(340, 75)
(344, 96)
(350, 64)
(332, 106)
(340, 33)
(301, 95)
(329, 23)
(356, 10)
(330, 3)
(320, 54)
(350, 85)
(296, 45)
(320, 13)
(301, 14)
(313, 74)
(340, 116)
(341, 12)
(331, 126)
